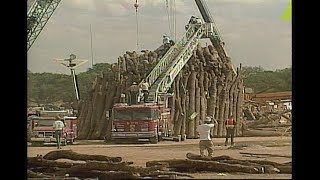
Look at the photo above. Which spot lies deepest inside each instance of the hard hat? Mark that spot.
(134, 83)
(208, 119)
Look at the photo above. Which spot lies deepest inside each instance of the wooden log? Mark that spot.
(207, 158)
(178, 109)
(221, 111)
(83, 134)
(106, 129)
(99, 108)
(69, 154)
(192, 95)
(82, 119)
(102, 175)
(173, 105)
(40, 162)
(31, 174)
(182, 165)
(202, 94)
(267, 165)
(198, 108)
(162, 174)
(266, 154)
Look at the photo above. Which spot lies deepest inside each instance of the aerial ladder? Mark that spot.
(162, 76)
(37, 17)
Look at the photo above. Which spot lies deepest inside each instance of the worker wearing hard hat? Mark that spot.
(205, 137)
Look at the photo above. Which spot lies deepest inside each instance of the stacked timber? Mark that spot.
(54, 166)
(205, 86)
(196, 163)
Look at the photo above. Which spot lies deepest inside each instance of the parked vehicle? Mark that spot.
(43, 132)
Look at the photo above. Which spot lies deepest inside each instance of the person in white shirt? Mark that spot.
(145, 89)
(58, 126)
(205, 139)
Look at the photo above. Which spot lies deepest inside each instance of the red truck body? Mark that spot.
(141, 122)
(43, 132)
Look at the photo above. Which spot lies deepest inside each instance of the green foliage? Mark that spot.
(267, 81)
(46, 88)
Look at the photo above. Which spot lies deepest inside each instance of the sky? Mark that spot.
(252, 30)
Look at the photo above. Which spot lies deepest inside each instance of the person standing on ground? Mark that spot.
(145, 89)
(205, 138)
(230, 126)
(58, 126)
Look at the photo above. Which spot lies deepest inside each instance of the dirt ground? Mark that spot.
(141, 153)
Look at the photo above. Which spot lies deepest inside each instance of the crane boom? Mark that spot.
(37, 17)
(215, 38)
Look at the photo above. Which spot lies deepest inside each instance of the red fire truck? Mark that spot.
(43, 132)
(147, 122)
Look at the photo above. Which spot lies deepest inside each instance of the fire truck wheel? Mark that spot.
(154, 140)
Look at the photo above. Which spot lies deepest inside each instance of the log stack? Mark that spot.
(93, 166)
(226, 164)
(205, 86)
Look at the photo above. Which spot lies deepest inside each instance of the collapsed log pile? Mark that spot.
(205, 86)
(95, 166)
(266, 122)
(196, 163)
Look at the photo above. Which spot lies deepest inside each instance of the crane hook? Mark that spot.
(136, 5)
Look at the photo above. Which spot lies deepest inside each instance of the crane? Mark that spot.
(37, 17)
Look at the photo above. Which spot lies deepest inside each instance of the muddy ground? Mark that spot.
(141, 153)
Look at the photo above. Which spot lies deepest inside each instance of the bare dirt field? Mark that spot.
(139, 154)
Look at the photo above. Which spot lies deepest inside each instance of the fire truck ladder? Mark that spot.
(163, 75)
(38, 15)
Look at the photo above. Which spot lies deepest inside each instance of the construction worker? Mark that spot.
(58, 126)
(145, 89)
(133, 92)
(230, 126)
(205, 138)
(166, 40)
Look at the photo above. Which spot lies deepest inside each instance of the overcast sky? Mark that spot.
(252, 30)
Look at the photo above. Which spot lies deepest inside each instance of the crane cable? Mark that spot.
(136, 5)
(175, 20)
(168, 14)
(171, 13)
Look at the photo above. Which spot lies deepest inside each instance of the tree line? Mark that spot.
(44, 88)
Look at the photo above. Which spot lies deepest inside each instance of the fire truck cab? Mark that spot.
(141, 122)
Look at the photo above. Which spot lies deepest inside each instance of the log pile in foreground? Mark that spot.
(196, 163)
(205, 86)
(95, 166)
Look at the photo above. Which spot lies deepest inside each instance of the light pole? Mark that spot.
(72, 62)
